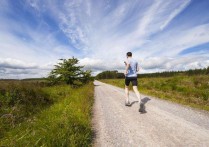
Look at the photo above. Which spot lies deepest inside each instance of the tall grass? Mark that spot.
(187, 90)
(18, 101)
(67, 122)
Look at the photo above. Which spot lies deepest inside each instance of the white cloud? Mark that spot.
(117, 44)
(14, 68)
(34, 4)
(177, 63)
(98, 64)
(22, 73)
(148, 18)
(173, 42)
(16, 64)
(100, 34)
(88, 8)
(174, 13)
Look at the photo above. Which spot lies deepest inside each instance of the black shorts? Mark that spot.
(133, 80)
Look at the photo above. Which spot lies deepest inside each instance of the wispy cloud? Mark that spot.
(174, 41)
(174, 13)
(100, 33)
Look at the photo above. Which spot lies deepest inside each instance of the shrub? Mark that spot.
(20, 100)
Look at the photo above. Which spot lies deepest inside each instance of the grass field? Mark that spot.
(188, 90)
(37, 115)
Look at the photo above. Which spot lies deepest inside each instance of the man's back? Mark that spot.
(132, 70)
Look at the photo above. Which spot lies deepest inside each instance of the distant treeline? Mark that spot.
(28, 79)
(116, 75)
(110, 75)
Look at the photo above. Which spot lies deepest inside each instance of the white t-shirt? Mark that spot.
(132, 70)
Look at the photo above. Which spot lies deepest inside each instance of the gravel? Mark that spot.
(164, 123)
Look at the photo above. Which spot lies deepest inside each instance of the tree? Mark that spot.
(110, 75)
(69, 72)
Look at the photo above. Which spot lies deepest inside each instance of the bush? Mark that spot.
(66, 123)
(18, 101)
(205, 95)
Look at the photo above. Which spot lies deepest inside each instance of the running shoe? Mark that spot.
(127, 103)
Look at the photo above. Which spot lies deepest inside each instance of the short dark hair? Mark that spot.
(129, 54)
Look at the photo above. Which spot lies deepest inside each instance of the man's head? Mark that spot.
(129, 54)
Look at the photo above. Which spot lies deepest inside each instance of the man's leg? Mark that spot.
(127, 94)
(141, 104)
(137, 93)
(127, 82)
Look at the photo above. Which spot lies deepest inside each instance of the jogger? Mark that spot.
(131, 76)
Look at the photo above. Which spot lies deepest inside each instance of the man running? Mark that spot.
(131, 70)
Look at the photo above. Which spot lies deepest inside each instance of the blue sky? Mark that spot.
(162, 34)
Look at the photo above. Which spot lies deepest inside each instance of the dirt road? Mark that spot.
(164, 124)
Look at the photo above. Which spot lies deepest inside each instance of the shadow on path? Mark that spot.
(132, 103)
(142, 108)
(145, 100)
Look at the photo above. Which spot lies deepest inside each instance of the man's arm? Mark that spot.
(127, 67)
(137, 67)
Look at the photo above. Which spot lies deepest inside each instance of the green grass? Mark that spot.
(19, 101)
(64, 122)
(188, 90)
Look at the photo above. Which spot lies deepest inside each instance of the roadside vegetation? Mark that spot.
(46, 113)
(188, 88)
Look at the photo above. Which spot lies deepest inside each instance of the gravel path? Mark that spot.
(164, 124)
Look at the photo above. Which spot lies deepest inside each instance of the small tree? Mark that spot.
(69, 72)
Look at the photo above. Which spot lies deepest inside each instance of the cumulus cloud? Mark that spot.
(177, 63)
(14, 68)
(16, 64)
(99, 64)
(100, 33)
(22, 73)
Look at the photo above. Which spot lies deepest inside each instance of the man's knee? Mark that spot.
(135, 88)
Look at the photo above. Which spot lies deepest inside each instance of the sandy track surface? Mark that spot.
(164, 124)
